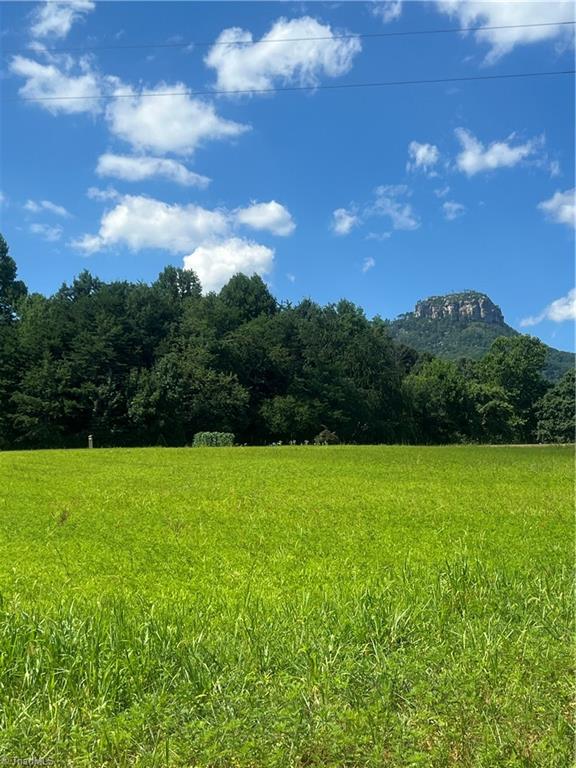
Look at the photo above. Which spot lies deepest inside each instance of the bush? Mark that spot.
(326, 438)
(212, 439)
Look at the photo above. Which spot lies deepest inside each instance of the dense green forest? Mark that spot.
(138, 364)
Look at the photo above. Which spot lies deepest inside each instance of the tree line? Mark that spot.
(138, 364)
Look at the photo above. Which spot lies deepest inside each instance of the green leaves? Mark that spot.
(555, 411)
(12, 291)
(137, 364)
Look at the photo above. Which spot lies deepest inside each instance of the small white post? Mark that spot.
(90, 441)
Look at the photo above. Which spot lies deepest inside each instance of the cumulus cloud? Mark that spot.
(215, 263)
(163, 124)
(206, 238)
(560, 207)
(69, 81)
(387, 11)
(289, 60)
(102, 195)
(453, 210)
(441, 192)
(147, 120)
(139, 222)
(511, 14)
(422, 156)
(391, 202)
(45, 205)
(266, 216)
(51, 234)
(139, 168)
(368, 263)
(55, 19)
(344, 221)
(476, 158)
(558, 311)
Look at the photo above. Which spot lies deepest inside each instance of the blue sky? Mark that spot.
(380, 195)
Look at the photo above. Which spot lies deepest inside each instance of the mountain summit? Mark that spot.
(468, 306)
(463, 324)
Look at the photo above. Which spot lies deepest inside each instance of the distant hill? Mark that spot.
(464, 325)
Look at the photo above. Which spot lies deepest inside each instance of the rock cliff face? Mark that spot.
(469, 306)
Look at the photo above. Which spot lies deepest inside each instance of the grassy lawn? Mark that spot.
(349, 606)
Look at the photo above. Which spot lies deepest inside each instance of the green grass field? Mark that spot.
(349, 606)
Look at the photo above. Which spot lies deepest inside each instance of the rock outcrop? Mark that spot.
(468, 306)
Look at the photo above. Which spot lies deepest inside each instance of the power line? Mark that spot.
(247, 43)
(287, 88)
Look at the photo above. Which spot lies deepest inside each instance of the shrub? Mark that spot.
(326, 438)
(212, 439)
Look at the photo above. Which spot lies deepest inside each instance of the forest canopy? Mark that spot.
(138, 364)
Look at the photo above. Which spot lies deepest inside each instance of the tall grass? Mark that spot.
(287, 607)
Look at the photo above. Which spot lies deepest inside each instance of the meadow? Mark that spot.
(291, 606)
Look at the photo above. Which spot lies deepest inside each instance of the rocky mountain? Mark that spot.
(466, 307)
(463, 325)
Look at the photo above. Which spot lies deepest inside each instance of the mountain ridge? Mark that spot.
(463, 325)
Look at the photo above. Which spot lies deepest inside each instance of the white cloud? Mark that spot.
(266, 216)
(422, 156)
(48, 81)
(51, 234)
(45, 205)
(139, 168)
(368, 263)
(378, 236)
(290, 277)
(88, 243)
(160, 123)
(141, 222)
(475, 158)
(163, 124)
(453, 210)
(561, 207)
(442, 191)
(344, 221)
(391, 202)
(266, 64)
(102, 195)
(55, 19)
(558, 311)
(387, 11)
(204, 237)
(216, 263)
(512, 13)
